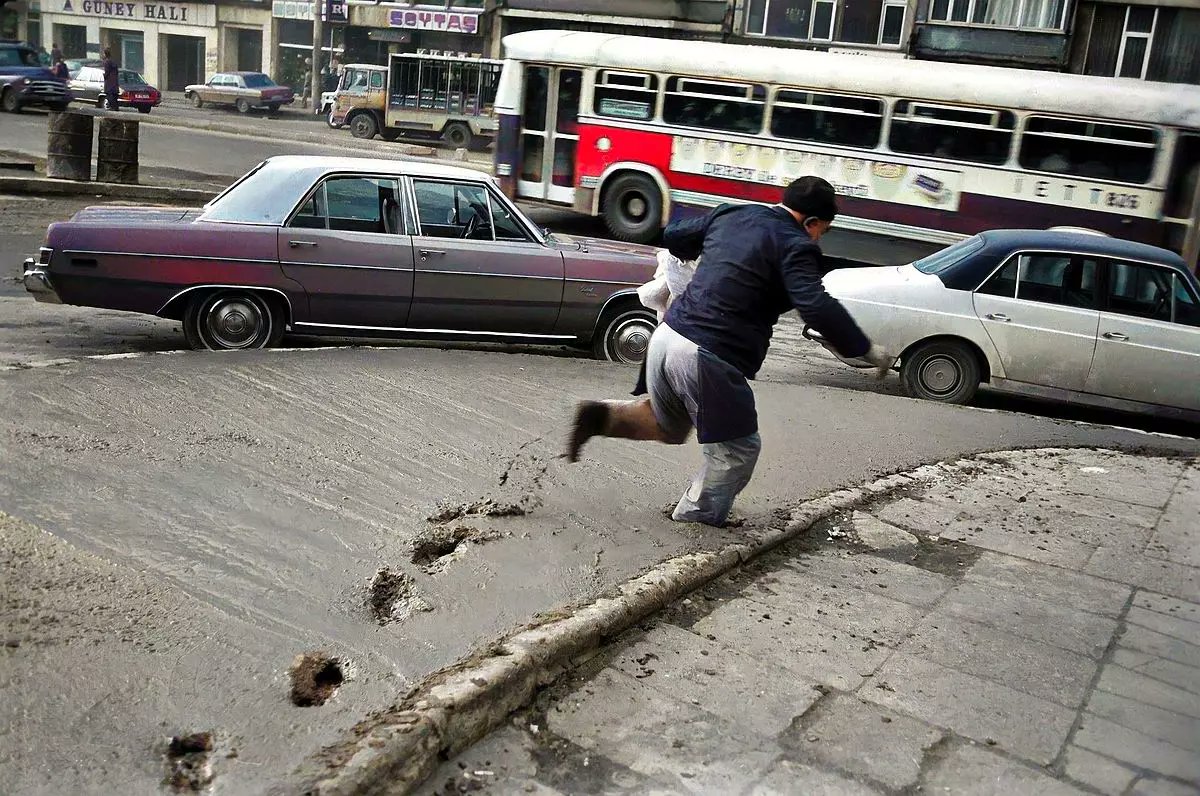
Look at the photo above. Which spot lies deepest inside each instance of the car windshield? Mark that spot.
(15, 56)
(949, 257)
(129, 76)
(258, 81)
(264, 196)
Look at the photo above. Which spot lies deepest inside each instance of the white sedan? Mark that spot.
(1053, 314)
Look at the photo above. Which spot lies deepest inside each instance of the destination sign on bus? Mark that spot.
(856, 177)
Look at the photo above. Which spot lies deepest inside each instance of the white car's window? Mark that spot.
(1147, 291)
(453, 210)
(1063, 279)
(1003, 282)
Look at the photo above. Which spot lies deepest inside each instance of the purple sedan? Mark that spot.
(351, 247)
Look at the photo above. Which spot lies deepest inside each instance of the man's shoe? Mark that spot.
(590, 419)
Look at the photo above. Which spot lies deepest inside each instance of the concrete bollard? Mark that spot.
(69, 146)
(117, 153)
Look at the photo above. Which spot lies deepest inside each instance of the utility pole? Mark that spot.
(315, 85)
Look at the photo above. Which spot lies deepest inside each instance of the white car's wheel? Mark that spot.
(941, 370)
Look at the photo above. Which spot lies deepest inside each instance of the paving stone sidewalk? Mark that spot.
(1030, 626)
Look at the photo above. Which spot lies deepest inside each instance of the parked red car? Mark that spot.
(351, 247)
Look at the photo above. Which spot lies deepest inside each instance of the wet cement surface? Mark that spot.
(268, 491)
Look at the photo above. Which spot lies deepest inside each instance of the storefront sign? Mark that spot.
(171, 13)
(334, 10)
(862, 179)
(444, 21)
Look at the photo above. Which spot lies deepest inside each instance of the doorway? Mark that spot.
(185, 61)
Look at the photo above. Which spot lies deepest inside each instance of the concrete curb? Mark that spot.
(397, 749)
(48, 186)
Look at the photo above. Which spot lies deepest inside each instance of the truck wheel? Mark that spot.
(10, 102)
(196, 101)
(632, 208)
(457, 135)
(363, 126)
(243, 105)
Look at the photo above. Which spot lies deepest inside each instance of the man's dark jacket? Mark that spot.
(111, 84)
(759, 262)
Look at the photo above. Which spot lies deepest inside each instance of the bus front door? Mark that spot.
(549, 133)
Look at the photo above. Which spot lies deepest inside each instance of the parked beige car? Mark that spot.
(242, 90)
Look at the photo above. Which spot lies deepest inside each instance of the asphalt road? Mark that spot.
(259, 494)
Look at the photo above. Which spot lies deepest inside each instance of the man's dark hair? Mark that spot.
(811, 197)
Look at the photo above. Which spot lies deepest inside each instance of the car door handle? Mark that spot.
(427, 253)
(296, 244)
(998, 316)
(1115, 336)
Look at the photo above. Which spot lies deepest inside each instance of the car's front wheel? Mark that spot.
(9, 101)
(941, 370)
(624, 335)
(329, 121)
(229, 320)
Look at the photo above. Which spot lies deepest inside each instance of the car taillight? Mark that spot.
(124, 94)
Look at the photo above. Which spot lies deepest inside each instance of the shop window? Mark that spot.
(731, 107)
(978, 135)
(626, 95)
(1099, 150)
(827, 118)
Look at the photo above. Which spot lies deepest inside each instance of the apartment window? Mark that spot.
(732, 107)
(843, 21)
(827, 118)
(1098, 150)
(1026, 14)
(626, 95)
(1133, 58)
(978, 135)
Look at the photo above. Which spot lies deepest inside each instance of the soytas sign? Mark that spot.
(176, 13)
(444, 21)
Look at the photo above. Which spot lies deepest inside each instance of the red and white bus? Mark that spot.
(643, 130)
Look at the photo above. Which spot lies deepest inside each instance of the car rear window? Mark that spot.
(258, 81)
(949, 257)
(266, 195)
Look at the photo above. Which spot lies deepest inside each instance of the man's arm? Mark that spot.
(685, 239)
(801, 271)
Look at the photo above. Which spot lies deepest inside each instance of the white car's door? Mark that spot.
(1040, 312)
(1149, 345)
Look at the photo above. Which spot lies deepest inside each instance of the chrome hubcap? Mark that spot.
(631, 340)
(940, 375)
(235, 323)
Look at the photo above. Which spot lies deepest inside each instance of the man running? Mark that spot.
(758, 262)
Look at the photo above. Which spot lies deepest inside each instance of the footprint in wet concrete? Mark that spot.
(316, 677)
(189, 767)
(438, 547)
(392, 597)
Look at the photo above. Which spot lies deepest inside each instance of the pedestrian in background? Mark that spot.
(757, 263)
(112, 86)
(60, 70)
(306, 90)
(56, 54)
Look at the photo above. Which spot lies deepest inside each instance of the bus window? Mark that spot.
(1099, 150)
(626, 95)
(978, 135)
(827, 118)
(732, 107)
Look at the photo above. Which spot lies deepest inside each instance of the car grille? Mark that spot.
(47, 88)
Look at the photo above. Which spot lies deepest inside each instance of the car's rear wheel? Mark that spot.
(273, 109)
(196, 101)
(363, 126)
(624, 335)
(941, 370)
(633, 208)
(230, 320)
(144, 108)
(242, 105)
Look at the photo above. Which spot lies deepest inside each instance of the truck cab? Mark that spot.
(25, 81)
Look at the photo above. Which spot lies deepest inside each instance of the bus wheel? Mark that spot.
(633, 208)
(457, 135)
(363, 126)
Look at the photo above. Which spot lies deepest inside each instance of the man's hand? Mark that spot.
(880, 359)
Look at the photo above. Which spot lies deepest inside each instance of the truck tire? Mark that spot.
(363, 125)
(457, 135)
